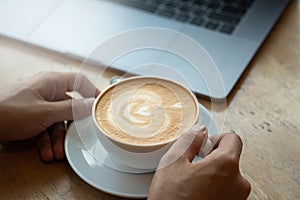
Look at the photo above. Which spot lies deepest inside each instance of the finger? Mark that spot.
(215, 139)
(43, 144)
(84, 86)
(57, 135)
(230, 143)
(187, 145)
(69, 109)
(58, 83)
(193, 141)
(206, 148)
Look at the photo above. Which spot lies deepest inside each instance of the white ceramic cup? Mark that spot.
(139, 156)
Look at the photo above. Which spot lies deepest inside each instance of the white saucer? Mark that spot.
(103, 173)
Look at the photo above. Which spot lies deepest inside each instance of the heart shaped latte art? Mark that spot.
(145, 111)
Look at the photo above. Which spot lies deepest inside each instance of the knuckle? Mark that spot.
(47, 77)
(168, 159)
(248, 187)
(47, 74)
(231, 160)
(41, 73)
(192, 139)
(229, 163)
(237, 139)
(186, 138)
(79, 79)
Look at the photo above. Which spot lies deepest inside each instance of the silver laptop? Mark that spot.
(229, 32)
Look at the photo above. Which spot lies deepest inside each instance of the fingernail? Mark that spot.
(199, 128)
(88, 102)
(206, 146)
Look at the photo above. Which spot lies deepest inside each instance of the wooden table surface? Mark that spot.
(264, 109)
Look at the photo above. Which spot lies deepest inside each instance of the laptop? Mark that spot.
(228, 34)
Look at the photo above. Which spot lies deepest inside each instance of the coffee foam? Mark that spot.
(145, 111)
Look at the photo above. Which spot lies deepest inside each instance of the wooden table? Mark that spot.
(264, 109)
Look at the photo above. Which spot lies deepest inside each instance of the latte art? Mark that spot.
(145, 111)
(139, 107)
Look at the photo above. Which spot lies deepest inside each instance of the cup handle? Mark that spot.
(115, 79)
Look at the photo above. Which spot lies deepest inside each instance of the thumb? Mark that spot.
(186, 146)
(82, 107)
(70, 109)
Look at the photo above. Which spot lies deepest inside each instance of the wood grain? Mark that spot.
(264, 109)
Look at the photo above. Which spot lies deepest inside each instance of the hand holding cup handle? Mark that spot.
(207, 146)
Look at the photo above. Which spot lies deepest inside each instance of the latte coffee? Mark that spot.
(145, 111)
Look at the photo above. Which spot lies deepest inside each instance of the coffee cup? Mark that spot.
(137, 119)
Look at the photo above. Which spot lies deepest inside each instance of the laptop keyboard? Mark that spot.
(217, 15)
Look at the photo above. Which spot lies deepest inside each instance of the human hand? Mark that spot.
(38, 106)
(217, 176)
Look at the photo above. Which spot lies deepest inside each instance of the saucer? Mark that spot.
(93, 164)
